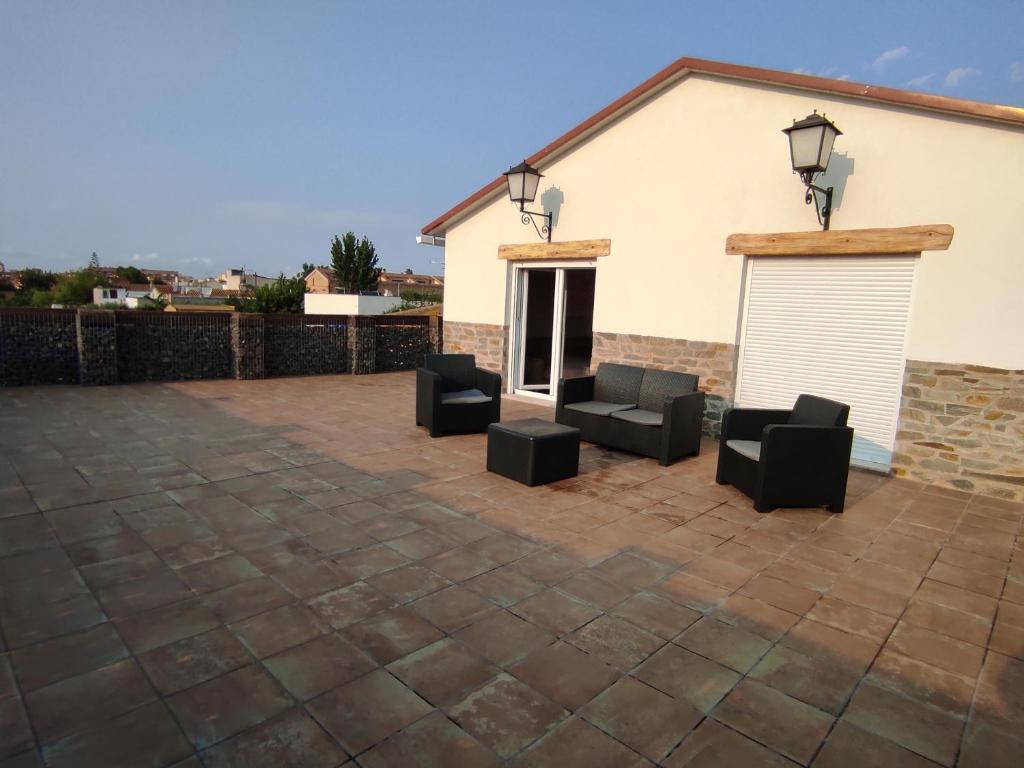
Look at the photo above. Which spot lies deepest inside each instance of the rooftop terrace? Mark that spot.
(289, 572)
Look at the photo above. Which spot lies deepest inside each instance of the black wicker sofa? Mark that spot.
(641, 410)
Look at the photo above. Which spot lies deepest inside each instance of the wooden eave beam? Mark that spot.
(844, 242)
(571, 249)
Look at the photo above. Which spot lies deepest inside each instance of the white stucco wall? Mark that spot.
(671, 180)
(348, 304)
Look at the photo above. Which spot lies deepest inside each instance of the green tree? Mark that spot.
(41, 298)
(343, 255)
(366, 272)
(94, 261)
(131, 274)
(75, 288)
(286, 295)
(355, 263)
(307, 268)
(408, 271)
(33, 279)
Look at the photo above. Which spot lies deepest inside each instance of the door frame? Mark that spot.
(520, 291)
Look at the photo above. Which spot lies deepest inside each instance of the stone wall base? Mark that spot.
(488, 342)
(962, 426)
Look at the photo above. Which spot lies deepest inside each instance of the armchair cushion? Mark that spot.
(599, 408)
(658, 385)
(640, 416)
(464, 397)
(749, 448)
(616, 383)
(814, 411)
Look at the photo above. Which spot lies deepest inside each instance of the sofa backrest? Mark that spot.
(657, 385)
(615, 383)
(818, 412)
(458, 372)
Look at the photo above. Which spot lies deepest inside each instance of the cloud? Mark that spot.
(196, 260)
(920, 82)
(802, 71)
(1017, 72)
(958, 75)
(827, 72)
(887, 57)
(137, 257)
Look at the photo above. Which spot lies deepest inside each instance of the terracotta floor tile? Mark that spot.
(84, 701)
(735, 648)
(948, 621)
(317, 666)
(429, 743)
(850, 746)
(289, 739)
(555, 612)
(713, 745)
(687, 590)
(835, 646)
(306, 580)
(503, 548)
(925, 683)
(687, 675)
(452, 608)
(755, 616)
(938, 650)
(985, 747)
(503, 638)
(548, 567)
(460, 564)
(982, 583)
(184, 663)
(53, 660)
(565, 674)
(145, 736)
(145, 631)
(632, 571)
(391, 634)
(121, 569)
(443, 672)
(591, 588)
(863, 595)
(577, 742)
(16, 735)
(369, 561)
(642, 718)
(788, 726)
(142, 595)
(851, 618)
(368, 710)
(506, 715)
(999, 699)
(408, 583)
(350, 604)
(781, 594)
(390, 526)
(224, 706)
(504, 586)
(1008, 639)
(972, 562)
(810, 679)
(420, 544)
(247, 599)
(656, 614)
(279, 629)
(914, 726)
(219, 573)
(722, 573)
(616, 642)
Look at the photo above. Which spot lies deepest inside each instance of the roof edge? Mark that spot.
(999, 113)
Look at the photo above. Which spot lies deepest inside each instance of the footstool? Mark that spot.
(533, 451)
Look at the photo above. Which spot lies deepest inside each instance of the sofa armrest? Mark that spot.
(681, 426)
(576, 390)
(428, 397)
(488, 382)
(749, 423)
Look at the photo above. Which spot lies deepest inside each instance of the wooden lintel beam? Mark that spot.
(840, 242)
(571, 249)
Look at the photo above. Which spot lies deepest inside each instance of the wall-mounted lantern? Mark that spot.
(523, 181)
(810, 144)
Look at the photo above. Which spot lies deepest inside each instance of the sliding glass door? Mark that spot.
(553, 327)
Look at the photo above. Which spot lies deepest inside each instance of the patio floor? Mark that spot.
(288, 572)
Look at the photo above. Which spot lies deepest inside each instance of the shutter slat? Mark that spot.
(831, 328)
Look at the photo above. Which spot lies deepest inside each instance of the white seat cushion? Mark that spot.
(639, 416)
(464, 397)
(599, 407)
(749, 448)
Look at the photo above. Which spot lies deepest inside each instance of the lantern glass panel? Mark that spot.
(805, 145)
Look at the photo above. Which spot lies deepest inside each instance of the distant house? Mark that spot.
(127, 296)
(237, 279)
(321, 280)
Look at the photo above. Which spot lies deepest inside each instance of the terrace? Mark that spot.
(289, 572)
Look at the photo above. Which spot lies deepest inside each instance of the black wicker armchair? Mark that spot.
(453, 395)
(797, 458)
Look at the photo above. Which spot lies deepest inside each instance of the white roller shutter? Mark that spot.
(834, 327)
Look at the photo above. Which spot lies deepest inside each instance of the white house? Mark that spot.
(349, 304)
(680, 239)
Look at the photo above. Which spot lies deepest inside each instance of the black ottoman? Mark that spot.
(533, 451)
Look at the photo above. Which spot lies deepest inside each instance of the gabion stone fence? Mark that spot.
(57, 346)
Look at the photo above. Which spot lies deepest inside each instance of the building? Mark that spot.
(909, 309)
(321, 280)
(238, 279)
(128, 295)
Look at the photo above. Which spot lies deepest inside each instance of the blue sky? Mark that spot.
(206, 135)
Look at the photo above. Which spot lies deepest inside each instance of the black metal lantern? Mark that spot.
(523, 181)
(810, 145)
